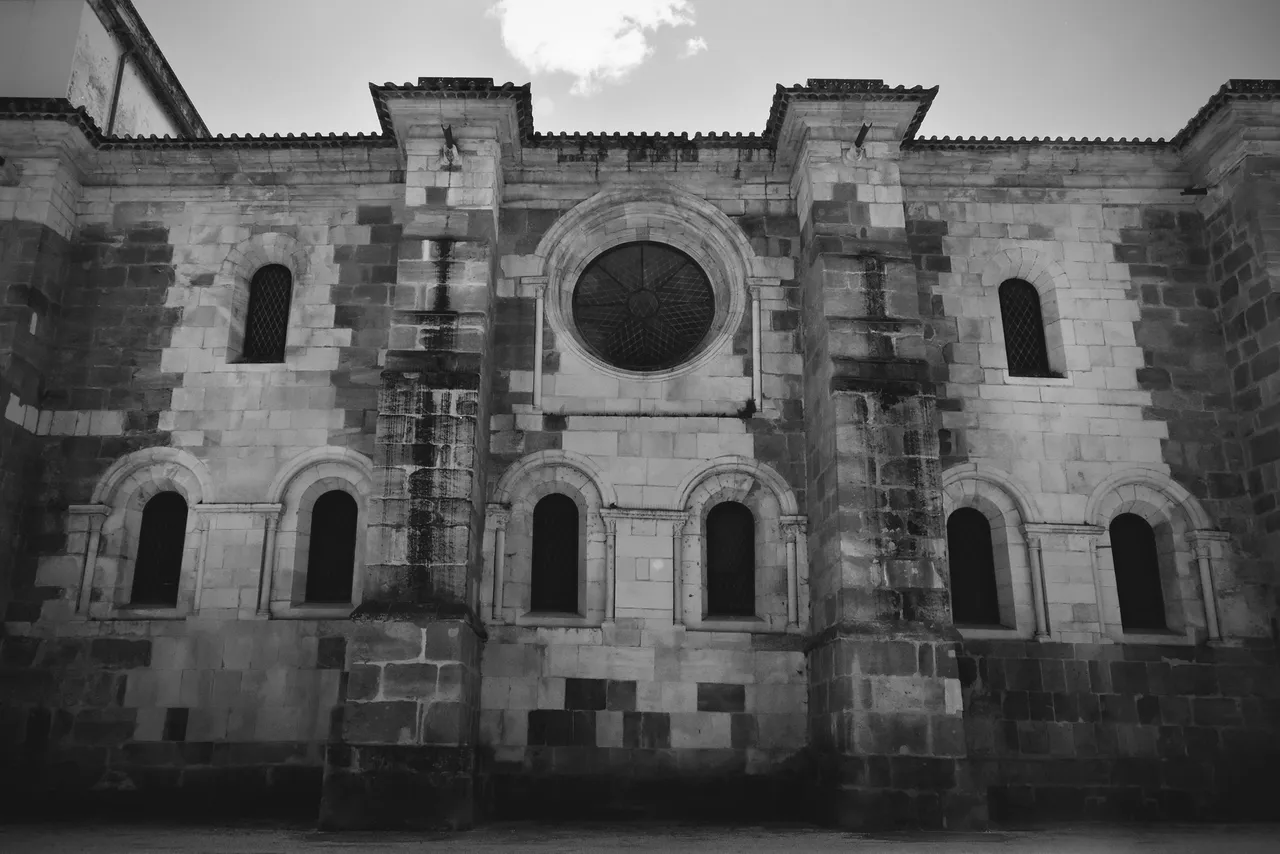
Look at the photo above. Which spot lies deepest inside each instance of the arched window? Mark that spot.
(268, 318)
(163, 534)
(974, 600)
(1137, 566)
(554, 577)
(731, 561)
(331, 554)
(1023, 330)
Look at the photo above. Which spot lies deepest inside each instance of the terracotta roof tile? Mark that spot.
(815, 89)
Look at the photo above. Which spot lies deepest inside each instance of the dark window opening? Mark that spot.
(731, 561)
(1137, 566)
(163, 534)
(267, 323)
(554, 580)
(331, 554)
(974, 597)
(1023, 330)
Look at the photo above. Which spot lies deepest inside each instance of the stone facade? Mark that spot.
(852, 392)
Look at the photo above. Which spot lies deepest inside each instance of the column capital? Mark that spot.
(499, 514)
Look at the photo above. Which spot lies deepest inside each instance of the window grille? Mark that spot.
(161, 539)
(731, 561)
(643, 306)
(1023, 330)
(1137, 566)
(331, 553)
(554, 579)
(974, 598)
(267, 323)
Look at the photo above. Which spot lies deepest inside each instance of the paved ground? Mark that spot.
(570, 839)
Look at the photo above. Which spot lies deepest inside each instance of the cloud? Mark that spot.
(697, 44)
(543, 107)
(597, 41)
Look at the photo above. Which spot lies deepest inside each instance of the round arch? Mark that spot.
(1109, 495)
(510, 480)
(1024, 503)
(160, 458)
(272, 247)
(1032, 266)
(739, 465)
(314, 458)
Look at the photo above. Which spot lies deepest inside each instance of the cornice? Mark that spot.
(815, 90)
(841, 89)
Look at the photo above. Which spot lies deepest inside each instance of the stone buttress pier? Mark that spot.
(404, 747)
(885, 704)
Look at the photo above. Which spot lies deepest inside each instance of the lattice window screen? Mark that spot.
(1023, 330)
(267, 324)
(643, 306)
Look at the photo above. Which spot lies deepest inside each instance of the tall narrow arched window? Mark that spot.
(267, 323)
(731, 561)
(1137, 567)
(163, 534)
(974, 599)
(1023, 330)
(554, 579)
(331, 554)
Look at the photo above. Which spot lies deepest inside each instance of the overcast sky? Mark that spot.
(1005, 67)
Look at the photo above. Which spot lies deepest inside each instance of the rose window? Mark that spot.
(643, 306)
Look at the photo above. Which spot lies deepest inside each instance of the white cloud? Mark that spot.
(543, 107)
(697, 44)
(597, 41)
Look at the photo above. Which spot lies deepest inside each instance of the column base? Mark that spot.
(398, 787)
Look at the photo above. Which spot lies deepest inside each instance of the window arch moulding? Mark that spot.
(781, 571)
(108, 530)
(1053, 287)
(1193, 556)
(508, 540)
(296, 488)
(232, 286)
(1020, 584)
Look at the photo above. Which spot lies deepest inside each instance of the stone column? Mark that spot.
(885, 695)
(405, 752)
(1035, 565)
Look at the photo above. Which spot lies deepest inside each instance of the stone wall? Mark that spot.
(222, 709)
(876, 400)
(1243, 242)
(616, 711)
(33, 266)
(1121, 732)
(1132, 333)
(210, 717)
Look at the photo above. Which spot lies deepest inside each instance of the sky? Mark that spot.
(1134, 68)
